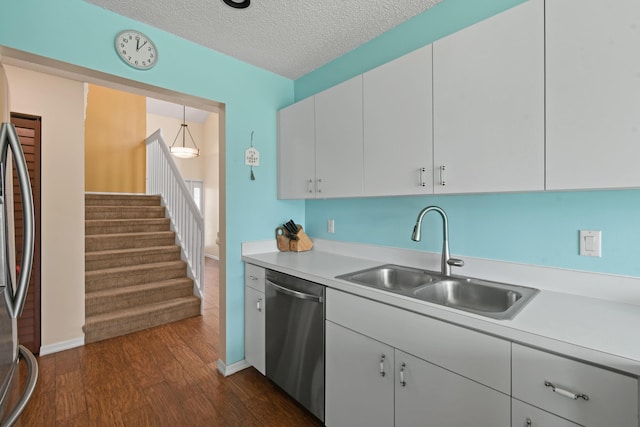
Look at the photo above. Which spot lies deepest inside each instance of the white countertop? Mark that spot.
(586, 328)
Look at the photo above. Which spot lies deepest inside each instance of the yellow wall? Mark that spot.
(115, 132)
(60, 103)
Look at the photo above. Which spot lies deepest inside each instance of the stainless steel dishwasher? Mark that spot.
(295, 338)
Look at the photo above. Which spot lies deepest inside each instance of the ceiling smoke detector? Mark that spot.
(238, 4)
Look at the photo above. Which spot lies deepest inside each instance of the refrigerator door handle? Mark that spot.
(32, 378)
(9, 140)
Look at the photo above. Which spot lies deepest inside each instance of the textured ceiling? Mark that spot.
(288, 37)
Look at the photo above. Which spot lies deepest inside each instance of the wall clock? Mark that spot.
(136, 49)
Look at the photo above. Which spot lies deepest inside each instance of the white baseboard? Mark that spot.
(217, 258)
(233, 368)
(61, 346)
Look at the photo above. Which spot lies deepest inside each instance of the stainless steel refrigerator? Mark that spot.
(15, 389)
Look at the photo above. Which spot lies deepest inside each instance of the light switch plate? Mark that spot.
(590, 243)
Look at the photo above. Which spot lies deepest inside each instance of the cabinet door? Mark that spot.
(523, 415)
(359, 380)
(339, 164)
(254, 328)
(586, 394)
(593, 94)
(429, 395)
(398, 126)
(296, 151)
(489, 104)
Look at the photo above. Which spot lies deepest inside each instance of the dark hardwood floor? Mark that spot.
(164, 376)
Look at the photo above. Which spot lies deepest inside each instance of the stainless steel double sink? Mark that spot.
(492, 299)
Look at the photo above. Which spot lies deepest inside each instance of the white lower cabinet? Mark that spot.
(370, 383)
(428, 395)
(585, 394)
(254, 317)
(523, 415)
(359, 379)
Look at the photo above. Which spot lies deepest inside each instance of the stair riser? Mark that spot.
(108, 243)
(136, 323)
(106, 304)
(127, 261)
(122, 212)
(119, 280)
(111, 227)
(109, 200)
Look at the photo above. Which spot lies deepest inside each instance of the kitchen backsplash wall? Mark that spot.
(531, 228)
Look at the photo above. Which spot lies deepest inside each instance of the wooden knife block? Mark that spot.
(286, 243)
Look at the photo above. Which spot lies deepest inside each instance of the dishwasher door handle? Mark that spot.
(295, 294)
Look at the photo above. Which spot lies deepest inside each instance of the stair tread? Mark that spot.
(131, 207)
(132, 251)
(129, 220)
(135, 234)
(137, 288)
(139, 267)
(135, 311)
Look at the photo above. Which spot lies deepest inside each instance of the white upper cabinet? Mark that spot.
(593, 94)
(296, 150)
(398, 126)
(339, 164)
(489, 104)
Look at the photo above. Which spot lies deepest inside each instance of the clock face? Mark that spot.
(136, 49)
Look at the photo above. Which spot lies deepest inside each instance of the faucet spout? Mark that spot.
(446, 261)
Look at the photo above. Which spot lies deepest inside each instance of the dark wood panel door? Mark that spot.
(28, 129)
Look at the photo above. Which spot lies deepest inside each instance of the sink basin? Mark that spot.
(471, 295)
(391, 277)
(491, 299)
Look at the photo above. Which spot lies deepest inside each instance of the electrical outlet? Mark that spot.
(330, 226)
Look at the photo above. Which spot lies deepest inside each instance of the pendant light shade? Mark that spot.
(183, 151)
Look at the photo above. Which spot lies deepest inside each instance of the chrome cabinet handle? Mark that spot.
(254, 278)
(382, 372)
(259, 304)
(422, 171)
(565, 393)
(528, 423)
(442, 181)
(319, 185)
(403, 383)
(310, 186)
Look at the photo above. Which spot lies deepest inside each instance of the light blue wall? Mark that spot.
(435, 23)
(532, 228)
(79, 33)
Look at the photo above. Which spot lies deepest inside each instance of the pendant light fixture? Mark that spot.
(183, 151)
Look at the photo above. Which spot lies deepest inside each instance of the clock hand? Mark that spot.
(137, 49)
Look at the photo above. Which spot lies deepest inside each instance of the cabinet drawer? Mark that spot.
(254, 277)
(524, 415)
(610, 399)
(473, 355)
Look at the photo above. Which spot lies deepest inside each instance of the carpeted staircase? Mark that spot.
(134, 277)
